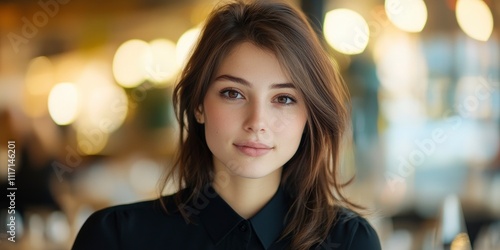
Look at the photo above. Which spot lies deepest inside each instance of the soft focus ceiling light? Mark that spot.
(163, 67)
(185, 45)
(407, 15)
(475, 19)
(130, 63)
(346, 31)
(63, 103)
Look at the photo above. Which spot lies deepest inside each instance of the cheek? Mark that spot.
(217, 119)
(289, 123)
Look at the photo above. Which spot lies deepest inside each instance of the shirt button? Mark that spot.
(243, 227)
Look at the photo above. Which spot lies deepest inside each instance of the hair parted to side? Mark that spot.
(311, 176)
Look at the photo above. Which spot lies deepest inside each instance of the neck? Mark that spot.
(247, 196)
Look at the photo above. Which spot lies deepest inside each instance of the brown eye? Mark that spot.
(282, 99)
(231, 94)
(285, 100)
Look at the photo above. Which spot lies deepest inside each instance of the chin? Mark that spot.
(253, 172)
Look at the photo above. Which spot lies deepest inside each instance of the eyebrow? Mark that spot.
(248, 84)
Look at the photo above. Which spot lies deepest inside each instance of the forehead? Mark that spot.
(252, 63)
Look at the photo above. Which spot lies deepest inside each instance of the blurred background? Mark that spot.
(85, 101)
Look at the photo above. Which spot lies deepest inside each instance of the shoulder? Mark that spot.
(110, 227)
(126, 213)
(133, 212)
(351, 231)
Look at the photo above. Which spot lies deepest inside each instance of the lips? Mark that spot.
(253, 149)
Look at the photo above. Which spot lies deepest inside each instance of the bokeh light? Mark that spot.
(185, 45)
(63, 103)
(39, 79)
(57, 227)
(475, 19)
(163, 67)
(130, 63)
(402, 68)
(104, 108)
(36, 229)
(346, 31)
(105, 105)
(40, 76)
(407, 15)
(91, 141)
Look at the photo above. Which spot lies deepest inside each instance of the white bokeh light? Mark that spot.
(163, 67)
(185, 45)
(130, 63)
(346, 31)
(103, 110)
(475, 19)
(63, 103)
(407, 15)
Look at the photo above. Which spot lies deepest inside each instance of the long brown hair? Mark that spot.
(310, 177)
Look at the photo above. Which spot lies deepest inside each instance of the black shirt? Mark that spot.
(145, 225)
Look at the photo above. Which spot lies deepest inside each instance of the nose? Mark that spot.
(256, 118)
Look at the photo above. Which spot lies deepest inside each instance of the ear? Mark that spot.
(198, 114)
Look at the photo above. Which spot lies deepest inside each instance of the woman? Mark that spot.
(262, 113)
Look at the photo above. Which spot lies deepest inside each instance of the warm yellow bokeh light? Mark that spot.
(91, 141)
(163, 67)
(346, 31)
(40, 76)
(130, 63)
(39, 80)
(475, 19)
(63, 103)
(185, 45)
(104, 104)
(407, 15)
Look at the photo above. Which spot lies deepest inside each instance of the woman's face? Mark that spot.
(253, 115)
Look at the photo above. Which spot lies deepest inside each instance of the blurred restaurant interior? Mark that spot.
(85, 99)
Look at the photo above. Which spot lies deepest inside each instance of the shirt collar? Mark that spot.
(220, 219)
